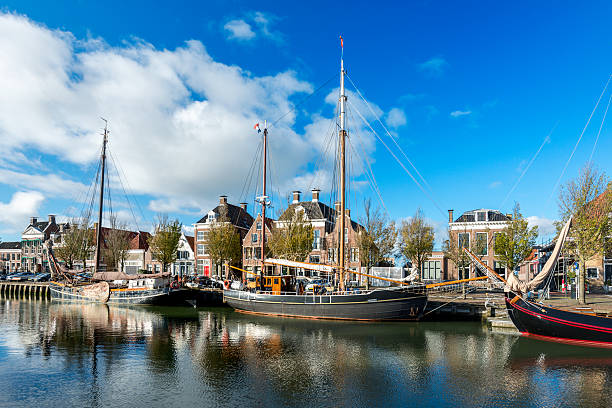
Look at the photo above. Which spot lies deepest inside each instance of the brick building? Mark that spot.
(237, 216)
(10, 257)
(33, 238)
(476, 230)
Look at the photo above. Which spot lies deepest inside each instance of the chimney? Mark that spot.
(348, 213)
(450, 216)
(509, 215)
(223, 199)
(61, 228)
(51, 219)
(243, 206)
(33, 220)
(315, 195)
(296, 196)
(337, 208)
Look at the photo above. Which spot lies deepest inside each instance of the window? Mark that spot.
(464, 240)
(315, 259)
(354, 254)
(200, 235)
(200, 248)
(330, 254)
(149, 267)
(499, 269)
(254, 237)
(317, 240)
(346, 235)
(482, 216)
(157, 268)
(258, 226)
(482, 247)
(592, 273)
(431, 270)
(257, 253)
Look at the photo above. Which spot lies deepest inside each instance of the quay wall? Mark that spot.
(25, 290)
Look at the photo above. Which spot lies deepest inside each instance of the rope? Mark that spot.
(579, 139)
(451, 301)
(546, 140)
(600, 126)
(398, 160)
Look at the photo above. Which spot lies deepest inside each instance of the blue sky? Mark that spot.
(470, 89)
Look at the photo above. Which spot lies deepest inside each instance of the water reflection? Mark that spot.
(98, 355)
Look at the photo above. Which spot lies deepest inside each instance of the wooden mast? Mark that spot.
(342, 136)
(263, 200)
(99, 228)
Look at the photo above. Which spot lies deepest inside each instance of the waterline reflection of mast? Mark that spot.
(343, 135)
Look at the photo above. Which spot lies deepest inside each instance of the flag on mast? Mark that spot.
(341, 42)
(256, 127)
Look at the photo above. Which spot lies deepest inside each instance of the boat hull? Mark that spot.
(376, 305)
(550, 323)
(159, 296)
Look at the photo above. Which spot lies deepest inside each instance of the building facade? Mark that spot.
(33, 238)
(10, 257)
(184, 265)
(235, 215)
(476, 230)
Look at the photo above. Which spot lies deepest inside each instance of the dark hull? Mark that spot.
(382, 304)
(550, 323)
(161, 296)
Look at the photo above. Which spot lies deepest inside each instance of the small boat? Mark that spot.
(537, 320)
(281, 295)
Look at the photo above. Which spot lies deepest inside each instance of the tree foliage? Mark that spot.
(77, 244)
(588, 199)
(164, 243)
(116, 244)
(515, 242)
(377, 241)
(223, 242)
(417, 239)
(292, 237)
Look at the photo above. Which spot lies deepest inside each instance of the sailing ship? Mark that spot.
(108, 287)
(282, 295)
(537, 320)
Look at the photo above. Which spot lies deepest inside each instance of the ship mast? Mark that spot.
(342, 136)
(99, 229)
(263, 200)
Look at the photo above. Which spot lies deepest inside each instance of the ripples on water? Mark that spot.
(63, 354)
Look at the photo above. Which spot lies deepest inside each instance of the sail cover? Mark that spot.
(304, 265)
(552, 261)
(111, 276)
(516, 285)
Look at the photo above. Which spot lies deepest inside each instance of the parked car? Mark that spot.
(41, 277)
(23, 276)
(318, 284)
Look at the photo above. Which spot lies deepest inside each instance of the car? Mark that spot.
(41, 277)
(23, 276)
(317, 284)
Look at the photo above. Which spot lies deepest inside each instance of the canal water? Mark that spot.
(77, 355)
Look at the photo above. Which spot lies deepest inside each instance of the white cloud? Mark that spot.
(181, 123)
(51, 184)
(459, 113)
(239, 30)
(15, 214)
(546, 227)
(434, 66)
(396, 118)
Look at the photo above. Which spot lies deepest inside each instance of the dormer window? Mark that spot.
(258, 226)
(481, 215)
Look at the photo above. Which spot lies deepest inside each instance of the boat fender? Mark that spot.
(174, 284)
(226, 284)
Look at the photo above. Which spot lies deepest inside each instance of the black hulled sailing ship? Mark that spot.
(108, 286)
(535, 319)
(280, 295)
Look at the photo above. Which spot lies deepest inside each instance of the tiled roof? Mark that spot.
(190, 241)
(314, 211)
(10, 245)
(492, 215)
(238, 216)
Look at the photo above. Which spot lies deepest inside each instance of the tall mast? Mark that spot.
(342, 135)
(99, 229)
(264, 199)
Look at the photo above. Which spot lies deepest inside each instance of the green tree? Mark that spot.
(292, 237)
(77, 244)
(377, 240)
(515, 242)
(116, 244)
(588, 199)
(223, 243)
(417, 239)
(164, 243)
